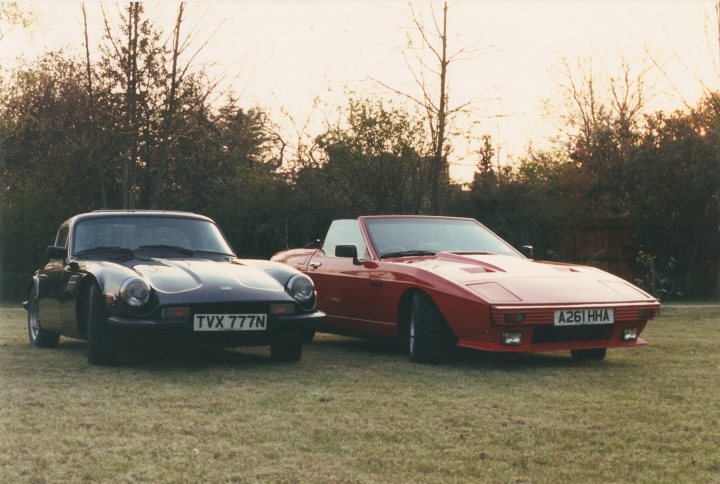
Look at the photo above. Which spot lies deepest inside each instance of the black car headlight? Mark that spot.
(302, 289)
(135, 292)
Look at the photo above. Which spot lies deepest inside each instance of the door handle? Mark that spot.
(315, 265)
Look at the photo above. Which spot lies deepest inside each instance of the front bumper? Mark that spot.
(537, 333)
(278, 327)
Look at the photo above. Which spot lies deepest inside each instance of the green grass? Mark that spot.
(358, 411)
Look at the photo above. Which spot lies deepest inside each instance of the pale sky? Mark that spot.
(283, 55)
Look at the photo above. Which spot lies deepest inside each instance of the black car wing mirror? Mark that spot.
(528, 251)
(56, 252)
(347, 251)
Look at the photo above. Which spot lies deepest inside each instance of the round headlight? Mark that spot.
(135, 292)
(301, 288)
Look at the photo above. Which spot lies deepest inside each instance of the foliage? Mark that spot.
(44, 151)
(13, 14)
(134, 129)
(672, 180)
(377, 161)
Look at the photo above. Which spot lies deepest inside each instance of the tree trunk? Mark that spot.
(439, 163)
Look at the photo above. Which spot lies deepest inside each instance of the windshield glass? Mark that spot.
(393, 236)
(154, 232)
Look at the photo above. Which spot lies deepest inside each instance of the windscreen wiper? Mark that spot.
(105, 250)
(471, 252)
(407, 253)
(175, 248)
(214, 252)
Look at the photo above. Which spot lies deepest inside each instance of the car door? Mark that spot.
(50, 281)
(343, 286)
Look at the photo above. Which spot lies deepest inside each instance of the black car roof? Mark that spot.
(136, 213)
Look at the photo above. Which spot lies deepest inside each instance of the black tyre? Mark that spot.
(308, 335)
(287, 349)
(429, 340)
(591, 354)
(102, 338)
(39, 337)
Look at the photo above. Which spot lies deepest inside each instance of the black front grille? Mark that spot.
(231, 308)
(558, 334)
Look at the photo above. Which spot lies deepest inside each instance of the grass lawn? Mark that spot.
(358, 411)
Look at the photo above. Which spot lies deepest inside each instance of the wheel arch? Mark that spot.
(405, 306)
(32, 283)
(81, 304)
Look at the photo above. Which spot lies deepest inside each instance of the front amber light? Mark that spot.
(284, 308)
(176, 313)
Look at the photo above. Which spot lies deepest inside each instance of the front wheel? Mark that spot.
(39, 337)
(102, 338)
(308, 335)
(591, 354)
(429, 340)
(287, 349)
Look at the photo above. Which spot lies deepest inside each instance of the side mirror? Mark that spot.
(56, 252)
(347, 251)
(528, 251)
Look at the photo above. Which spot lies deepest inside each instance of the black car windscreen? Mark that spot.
(134, 232)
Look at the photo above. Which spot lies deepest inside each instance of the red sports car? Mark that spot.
(440, 282)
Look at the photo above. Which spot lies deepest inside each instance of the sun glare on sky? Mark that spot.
(284, 56)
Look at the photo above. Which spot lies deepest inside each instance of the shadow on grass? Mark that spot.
(153, 355)
(463, 358)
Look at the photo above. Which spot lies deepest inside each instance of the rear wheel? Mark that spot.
(287, 349)
(102, 338)
(591, 354)
(429, 340)
(39, 337)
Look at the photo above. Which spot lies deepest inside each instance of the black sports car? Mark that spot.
(155, 272)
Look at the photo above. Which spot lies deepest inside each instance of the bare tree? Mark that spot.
(13, 14)
(93, 157)
(160, 87)
(170, 108)
(588, 111)
(431, 77)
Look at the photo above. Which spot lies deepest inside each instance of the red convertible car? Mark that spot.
(441, 282)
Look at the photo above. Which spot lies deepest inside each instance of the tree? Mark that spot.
(601, 122)
(13, 14)
(672, 208)
(431, 78)
(376, 160)
(154, 96)
(43, 131)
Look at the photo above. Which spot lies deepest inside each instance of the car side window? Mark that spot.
(62, 236)
(345, 232)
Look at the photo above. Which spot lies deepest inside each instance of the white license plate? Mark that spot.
(229, 322)
(578, 317)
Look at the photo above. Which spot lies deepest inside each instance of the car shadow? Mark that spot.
(158, 355)
(373, 344)
(465, 358)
